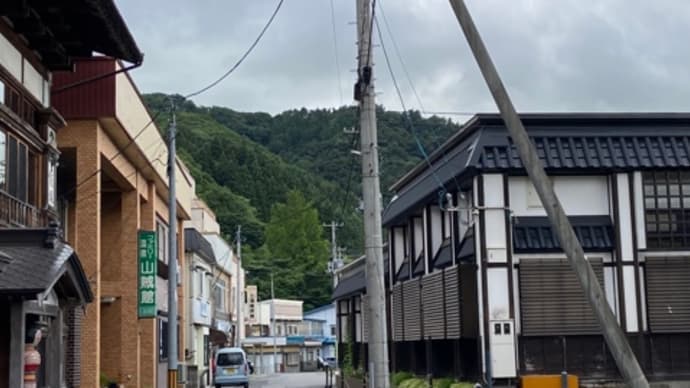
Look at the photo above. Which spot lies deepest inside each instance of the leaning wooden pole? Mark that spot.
(614, 336)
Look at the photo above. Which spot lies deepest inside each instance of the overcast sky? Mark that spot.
(553, 55)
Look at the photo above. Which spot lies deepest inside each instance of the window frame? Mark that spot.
(666, 204)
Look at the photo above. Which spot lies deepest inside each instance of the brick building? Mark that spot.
(42, 280)
(113, 183)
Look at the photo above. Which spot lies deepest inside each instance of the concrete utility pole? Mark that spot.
(334, 249)
(238, 297)
(373, 240)
(273, 327)
(616, 340)
(172, 260)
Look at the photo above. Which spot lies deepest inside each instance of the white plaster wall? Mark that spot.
(639, 210)
(399, 244)
(33, 81)
(418, 238)
(10, 58)
(625, 217)
(579, 195)
(493, 190)
(499, 300)
(436, 235)
(630, 298)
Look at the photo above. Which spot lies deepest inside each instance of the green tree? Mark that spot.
(294, 238)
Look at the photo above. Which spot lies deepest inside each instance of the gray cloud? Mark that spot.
(568, 55)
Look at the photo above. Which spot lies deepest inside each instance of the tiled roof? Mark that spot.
(570, 143)
(34, 260)
(354, 284)
(596, 152)
(534, 234)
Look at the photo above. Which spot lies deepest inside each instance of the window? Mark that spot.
(219, 294)
(51, 176)
(199, 280)
(162, 339)
(667, 209)
(292, 329)
(162, 234)
(19, 176)
(293, 359)
(279, 330)
(230, 359)
(333, 330)
(207, 350)
(2, 92)
(3, 160)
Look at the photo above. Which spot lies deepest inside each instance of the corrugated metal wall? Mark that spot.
(551, 299)
(452, 301)
(668, 294)
(433, 306)
(412, 310)
(397, 308)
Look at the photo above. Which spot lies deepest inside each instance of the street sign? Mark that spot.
(147, 252)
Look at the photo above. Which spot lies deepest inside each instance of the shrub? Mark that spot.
(398, 377)
(443, 383)
(414, 383)
(462, 385)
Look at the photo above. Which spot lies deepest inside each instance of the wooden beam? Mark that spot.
(17, 333)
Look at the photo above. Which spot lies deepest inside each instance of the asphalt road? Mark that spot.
(289, 380)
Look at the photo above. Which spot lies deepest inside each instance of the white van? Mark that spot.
(232, 368)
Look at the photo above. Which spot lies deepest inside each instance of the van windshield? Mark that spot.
(225, 359)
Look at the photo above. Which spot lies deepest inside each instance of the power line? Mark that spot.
(335, 50)
(396, 48)
(406, 114)
(246, 54)
(117, 154)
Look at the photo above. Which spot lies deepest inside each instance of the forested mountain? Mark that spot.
(246, 163)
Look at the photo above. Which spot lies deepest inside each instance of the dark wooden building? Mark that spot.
(42, 282)
(478, 281)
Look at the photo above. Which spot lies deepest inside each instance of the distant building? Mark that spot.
(325, 315)
(227, 270)
(289, 344)
(200, 308)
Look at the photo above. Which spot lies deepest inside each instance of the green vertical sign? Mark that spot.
(147, 265)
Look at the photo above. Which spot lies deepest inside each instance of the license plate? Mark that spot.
(230, 370)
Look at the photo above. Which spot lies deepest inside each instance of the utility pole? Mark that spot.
(373, 240)
(172, 260)
(615, 338)
(334, 249)
(273, 326)
(238, 317)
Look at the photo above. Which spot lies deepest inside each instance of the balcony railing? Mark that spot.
(16, 213)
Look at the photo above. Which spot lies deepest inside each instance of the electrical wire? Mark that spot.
(112, 158)
(396, 48)
(246, 54)
(335, 50)
(406, 115)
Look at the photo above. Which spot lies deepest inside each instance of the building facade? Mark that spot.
(113, 184)
(200, 308)
(228, 271)
(476, 271)
(325, 315)
(279, 347)
(44, 285)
